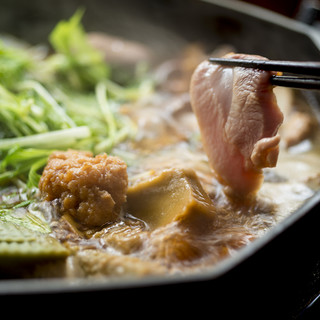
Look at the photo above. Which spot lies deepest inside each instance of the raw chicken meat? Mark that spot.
(238, 118)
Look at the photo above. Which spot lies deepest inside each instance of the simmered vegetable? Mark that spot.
(25, 236)
(172, 195)
(67, 99)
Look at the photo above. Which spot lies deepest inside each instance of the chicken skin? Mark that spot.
(239, 119)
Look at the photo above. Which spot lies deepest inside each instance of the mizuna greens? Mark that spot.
(63, 100)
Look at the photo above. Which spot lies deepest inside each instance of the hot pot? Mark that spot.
(276, 274)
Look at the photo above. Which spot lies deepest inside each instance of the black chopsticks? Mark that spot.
(297, 70)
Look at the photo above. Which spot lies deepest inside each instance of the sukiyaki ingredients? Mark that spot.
(174, 75)
(298, 127)
(96, 263)
(76, 60)
(59, 98)
(118, 51)
(174, 195)
(239, 118)
(22, 244)
(24, 238)
(89, 189)
(160, 210)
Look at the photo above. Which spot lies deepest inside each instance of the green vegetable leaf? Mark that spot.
(33, 176)
(24, 236)
(80, 64)
(24, 232)
(33, 221)
(21, 162)
(59, 139)
(14, 64)
(64, 100)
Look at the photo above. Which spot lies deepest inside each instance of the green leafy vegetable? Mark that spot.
(64, 100)
(24, 233)
(32, 110)
(25, 236)
(67, 99)
(55, 116)
(59, 139)
(18, 163)
(76, 59)
(14, 64)
(24, 218)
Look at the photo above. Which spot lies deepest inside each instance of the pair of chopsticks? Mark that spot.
(298, 71)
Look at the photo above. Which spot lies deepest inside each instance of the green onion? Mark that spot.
(67, 99)
(52, 140)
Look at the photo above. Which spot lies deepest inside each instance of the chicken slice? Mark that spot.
(239, 119)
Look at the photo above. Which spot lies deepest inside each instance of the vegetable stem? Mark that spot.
(49, 100)
(52, 140)
(101, 93)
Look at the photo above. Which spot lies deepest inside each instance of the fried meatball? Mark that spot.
(90, 189)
